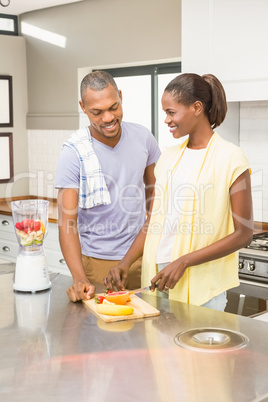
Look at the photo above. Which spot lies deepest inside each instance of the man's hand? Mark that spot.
(116, 278)
(81, 290)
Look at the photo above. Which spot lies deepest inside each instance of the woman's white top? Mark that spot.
(181, 189)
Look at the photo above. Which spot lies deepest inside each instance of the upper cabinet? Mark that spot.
(228, 39)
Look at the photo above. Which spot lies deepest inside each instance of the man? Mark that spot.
(105, 173)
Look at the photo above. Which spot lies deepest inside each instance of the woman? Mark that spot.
(202, 208)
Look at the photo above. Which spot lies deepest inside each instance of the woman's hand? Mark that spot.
(168, 277)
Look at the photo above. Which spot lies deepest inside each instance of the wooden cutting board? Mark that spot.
(142, 309)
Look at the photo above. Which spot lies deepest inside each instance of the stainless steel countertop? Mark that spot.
(56, 350)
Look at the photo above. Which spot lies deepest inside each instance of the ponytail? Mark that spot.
(218, 110)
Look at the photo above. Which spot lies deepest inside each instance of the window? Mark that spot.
(142, 88)
(8, 24)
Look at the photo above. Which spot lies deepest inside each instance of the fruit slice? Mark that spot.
(19, 226)
(22, 234)
(26, 242)
(99, 299)
(25, 223)
(42, 227)
(113, 309)
(37, 225)
(108, 302)
(118, 297)
(39, 235)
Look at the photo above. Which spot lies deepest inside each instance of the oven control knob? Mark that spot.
(251, 267)
(241, 265)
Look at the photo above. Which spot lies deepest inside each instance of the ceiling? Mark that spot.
(17, 7)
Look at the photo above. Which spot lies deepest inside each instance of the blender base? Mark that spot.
(31, 274)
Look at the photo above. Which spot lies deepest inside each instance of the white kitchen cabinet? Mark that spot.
(8, 242)
(228, 39)
(9, 245)
(55, 260)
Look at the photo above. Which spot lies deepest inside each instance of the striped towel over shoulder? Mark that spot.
(93, 190)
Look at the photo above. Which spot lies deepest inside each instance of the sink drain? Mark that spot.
(211, 339)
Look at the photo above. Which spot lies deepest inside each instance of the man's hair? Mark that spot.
(97, 80)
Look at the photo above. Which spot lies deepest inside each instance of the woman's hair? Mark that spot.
(188, 88)
(97, 80)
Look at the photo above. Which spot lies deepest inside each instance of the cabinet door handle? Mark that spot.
(5, 248)
(62, 261)
(5, 223)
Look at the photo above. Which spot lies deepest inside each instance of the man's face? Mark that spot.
(105, 113)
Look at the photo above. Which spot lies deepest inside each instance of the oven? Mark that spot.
(251, 297)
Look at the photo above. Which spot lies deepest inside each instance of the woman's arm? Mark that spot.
(241, 203)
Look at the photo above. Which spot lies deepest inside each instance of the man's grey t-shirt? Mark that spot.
(107, 231)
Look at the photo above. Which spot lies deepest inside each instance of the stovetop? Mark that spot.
(259, 242)
(258, 247)
(253, 260)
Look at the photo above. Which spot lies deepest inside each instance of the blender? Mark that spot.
(30, 218)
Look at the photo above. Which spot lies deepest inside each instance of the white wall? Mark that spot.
(44, 148)
(13, 62)
(229, 129)
(254, 142)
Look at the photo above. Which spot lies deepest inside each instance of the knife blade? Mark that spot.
(141, 289)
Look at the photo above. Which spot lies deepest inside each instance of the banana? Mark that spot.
(110, 309)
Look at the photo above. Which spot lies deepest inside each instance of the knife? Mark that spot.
(141, 289)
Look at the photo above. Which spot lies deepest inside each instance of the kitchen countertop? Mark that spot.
(54, 350)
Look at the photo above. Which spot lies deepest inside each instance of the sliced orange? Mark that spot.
(118, 297)
(42, 227)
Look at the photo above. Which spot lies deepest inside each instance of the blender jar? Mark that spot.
(30, 219)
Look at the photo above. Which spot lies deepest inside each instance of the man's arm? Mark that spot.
(118, 275)
(70, 244)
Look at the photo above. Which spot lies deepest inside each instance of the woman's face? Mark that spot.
(180, 119)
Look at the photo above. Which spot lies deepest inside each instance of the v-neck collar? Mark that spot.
(94, 140)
